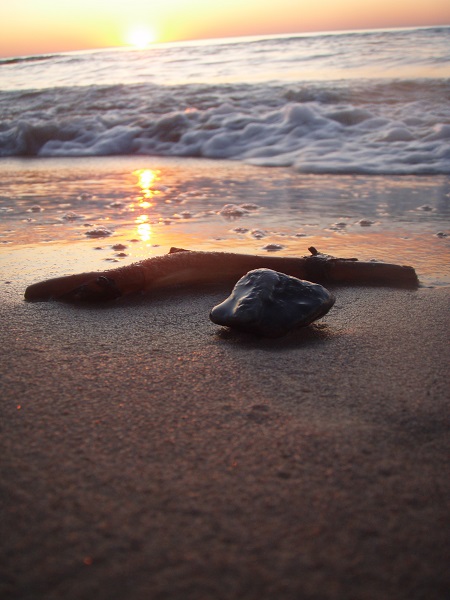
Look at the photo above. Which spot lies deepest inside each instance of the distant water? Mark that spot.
(375, 102)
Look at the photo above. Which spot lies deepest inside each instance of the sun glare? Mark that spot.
(140, 36)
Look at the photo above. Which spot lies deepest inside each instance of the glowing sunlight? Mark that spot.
(140, 36)
(31, 27)
(146, 179)
(144, 231)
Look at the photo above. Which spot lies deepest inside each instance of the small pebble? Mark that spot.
(98, 232)
(338, 226)
(232, 211)
(258, 233)
(250, 206)
(71, 216)
(273, 247)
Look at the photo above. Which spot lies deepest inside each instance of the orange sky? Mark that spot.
(29, 27)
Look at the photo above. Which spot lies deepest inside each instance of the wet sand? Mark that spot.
(149, 454)
(149, 204)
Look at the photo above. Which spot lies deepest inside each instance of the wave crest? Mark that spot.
(372, 127)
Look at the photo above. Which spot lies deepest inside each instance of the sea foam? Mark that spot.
(270, 102)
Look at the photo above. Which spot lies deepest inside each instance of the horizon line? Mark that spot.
(220, 40)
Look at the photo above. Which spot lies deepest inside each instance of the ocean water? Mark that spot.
(341, 141)
(375, 102)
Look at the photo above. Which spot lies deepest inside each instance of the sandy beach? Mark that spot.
(148, 453)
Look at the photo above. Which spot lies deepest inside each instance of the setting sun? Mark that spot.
(31, 27)
(140, 36)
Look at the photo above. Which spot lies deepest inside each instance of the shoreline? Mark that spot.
(147, 451)
(149, 204)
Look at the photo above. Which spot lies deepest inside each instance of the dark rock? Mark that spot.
(269, 303)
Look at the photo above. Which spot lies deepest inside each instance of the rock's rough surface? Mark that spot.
(269, 303)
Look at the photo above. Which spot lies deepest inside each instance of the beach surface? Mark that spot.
(148, 453)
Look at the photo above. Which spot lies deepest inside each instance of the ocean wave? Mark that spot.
(398, 127)
(27, 59)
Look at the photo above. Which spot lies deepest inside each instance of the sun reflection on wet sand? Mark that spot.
(144, 231)
(146, 179)
(51, 203)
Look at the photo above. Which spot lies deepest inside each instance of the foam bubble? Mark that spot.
(366, 127)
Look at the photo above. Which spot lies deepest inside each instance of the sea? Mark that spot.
(329, 130)
(356, 102)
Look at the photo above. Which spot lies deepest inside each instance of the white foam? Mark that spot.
(363, 127)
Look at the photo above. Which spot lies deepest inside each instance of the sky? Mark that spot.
(32, 27)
